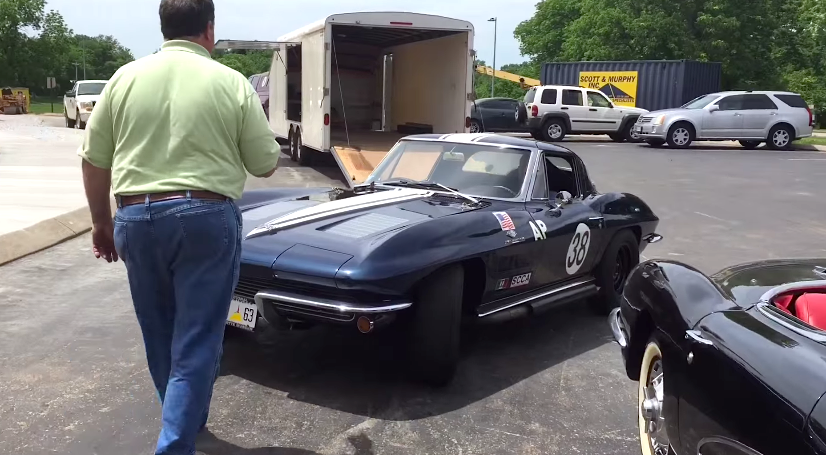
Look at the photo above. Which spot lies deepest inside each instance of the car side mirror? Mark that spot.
(70, 94)
(714, 107)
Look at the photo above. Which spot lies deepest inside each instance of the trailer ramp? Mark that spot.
(362, 153)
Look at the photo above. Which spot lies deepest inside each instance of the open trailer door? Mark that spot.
(279, 122)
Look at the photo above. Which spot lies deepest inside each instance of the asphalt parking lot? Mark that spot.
(73, 378)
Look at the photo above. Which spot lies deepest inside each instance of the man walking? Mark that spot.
(173, 134)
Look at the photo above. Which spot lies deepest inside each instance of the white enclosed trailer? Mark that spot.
(352, 84)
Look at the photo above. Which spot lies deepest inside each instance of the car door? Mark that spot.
(601, 113)
(510, 110)
(759, 112)
(71, 102)
(723, 119)
(748, 382)
(568, 235)
(496, 119)
(573, 104)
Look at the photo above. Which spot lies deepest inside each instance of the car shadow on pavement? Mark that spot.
(209, 444)
(365, 375)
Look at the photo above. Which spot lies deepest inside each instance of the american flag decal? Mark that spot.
(505, 221)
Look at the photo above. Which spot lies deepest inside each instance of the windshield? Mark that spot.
(699, 102)
(92, 88)
(475, 170)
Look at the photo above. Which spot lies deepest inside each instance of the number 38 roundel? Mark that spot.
(578, 249)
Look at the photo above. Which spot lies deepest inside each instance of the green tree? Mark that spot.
(246, 62)
(16, 56)
(502, 87)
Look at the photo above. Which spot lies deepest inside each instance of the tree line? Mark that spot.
(761, 44)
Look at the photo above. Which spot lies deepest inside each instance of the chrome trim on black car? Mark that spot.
(769, 295)
(617, 327)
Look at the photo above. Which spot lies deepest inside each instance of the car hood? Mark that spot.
(669, 111)
(87, 98)
(316, 234)
(747, 282)
(632, 110)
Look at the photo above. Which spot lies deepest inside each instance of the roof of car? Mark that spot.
(755, 92)
(491, 139)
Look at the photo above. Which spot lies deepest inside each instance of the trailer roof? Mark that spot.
(379, 19)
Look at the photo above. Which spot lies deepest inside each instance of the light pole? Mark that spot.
(493, 77)
(83, 52)
(76, 65)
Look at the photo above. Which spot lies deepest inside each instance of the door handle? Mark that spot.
(737, 114)
(696, 336)
(592, 110)
(772, 113)
(564, 108)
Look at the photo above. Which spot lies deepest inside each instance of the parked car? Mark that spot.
(447, 227)
(731, 364)
(554, 111)
(79, 102)
(261, 84)
(497, 115)
(751, 117)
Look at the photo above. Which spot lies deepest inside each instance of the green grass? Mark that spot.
(43, 105)
(812, 141)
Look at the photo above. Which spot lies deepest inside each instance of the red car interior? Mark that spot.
(809, 307)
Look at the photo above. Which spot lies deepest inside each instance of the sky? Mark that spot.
(135, 23)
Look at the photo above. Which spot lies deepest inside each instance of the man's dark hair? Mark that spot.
(183, 18)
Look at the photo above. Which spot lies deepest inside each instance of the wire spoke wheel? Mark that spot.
(621, 268)
(653, 435)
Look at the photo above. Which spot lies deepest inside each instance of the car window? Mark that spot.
(530, 95)
(549, 96)
(793, 100)
(499, 104)
(560, 175)
(572, 97)
(731, 103)
(598, 100)
(540, 184)
(91, 88)
(699, 102)
(473, 169)
(264, 81)
(758, 101)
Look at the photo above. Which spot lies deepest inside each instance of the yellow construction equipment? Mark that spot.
(524, 82)
(14, 100)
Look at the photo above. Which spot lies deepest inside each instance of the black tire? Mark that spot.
(777, 133)
(305, 157)
(749, 145)
(434, 329)
(628, 132)
(475, 126)
(680, 135)
(553, 130)
(291, 145)
(521, 113)
(536, 135)
(616, 137)
(69, 122)
(656, 143)
(621, 256)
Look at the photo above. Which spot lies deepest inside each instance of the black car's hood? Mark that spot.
(747, 282)
(316, 234)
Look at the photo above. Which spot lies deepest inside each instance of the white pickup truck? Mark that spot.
(79, 102)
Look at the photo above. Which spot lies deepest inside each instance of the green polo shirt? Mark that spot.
(178, 120)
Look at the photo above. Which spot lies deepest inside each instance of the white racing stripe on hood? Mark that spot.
(340, 207)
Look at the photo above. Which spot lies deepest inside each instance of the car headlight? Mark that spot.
(659, 120)
(86, 105)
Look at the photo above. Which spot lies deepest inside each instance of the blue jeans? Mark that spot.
(182, 257)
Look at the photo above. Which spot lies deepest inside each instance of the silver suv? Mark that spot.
(751, 117)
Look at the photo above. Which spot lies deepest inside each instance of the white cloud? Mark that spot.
(136, 25)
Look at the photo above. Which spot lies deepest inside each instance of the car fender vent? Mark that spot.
(365, 225)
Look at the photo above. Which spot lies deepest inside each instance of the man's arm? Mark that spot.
(98, 151)
(259, 151)
(97, 182)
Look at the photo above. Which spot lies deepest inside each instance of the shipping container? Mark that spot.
(648, 84)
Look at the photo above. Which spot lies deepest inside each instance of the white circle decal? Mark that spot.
(578, 249)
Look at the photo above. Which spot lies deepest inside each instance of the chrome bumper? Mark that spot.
(618, 327)
(320, 308)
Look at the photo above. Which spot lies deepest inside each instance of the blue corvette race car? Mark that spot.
(447, 228)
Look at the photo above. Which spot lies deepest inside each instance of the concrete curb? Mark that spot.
(45, 234)
(810, 148)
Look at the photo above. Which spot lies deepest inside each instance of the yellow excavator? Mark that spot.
(524, 82)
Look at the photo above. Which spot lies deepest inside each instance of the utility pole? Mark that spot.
(76, 65)
(83, 51)
(493, 77)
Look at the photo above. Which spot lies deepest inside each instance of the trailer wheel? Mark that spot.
(304, 155)
(291, 144)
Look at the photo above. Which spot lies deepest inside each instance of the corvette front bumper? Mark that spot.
(275, 304)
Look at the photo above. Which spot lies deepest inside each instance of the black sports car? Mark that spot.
(447, 228)
(728, 364)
